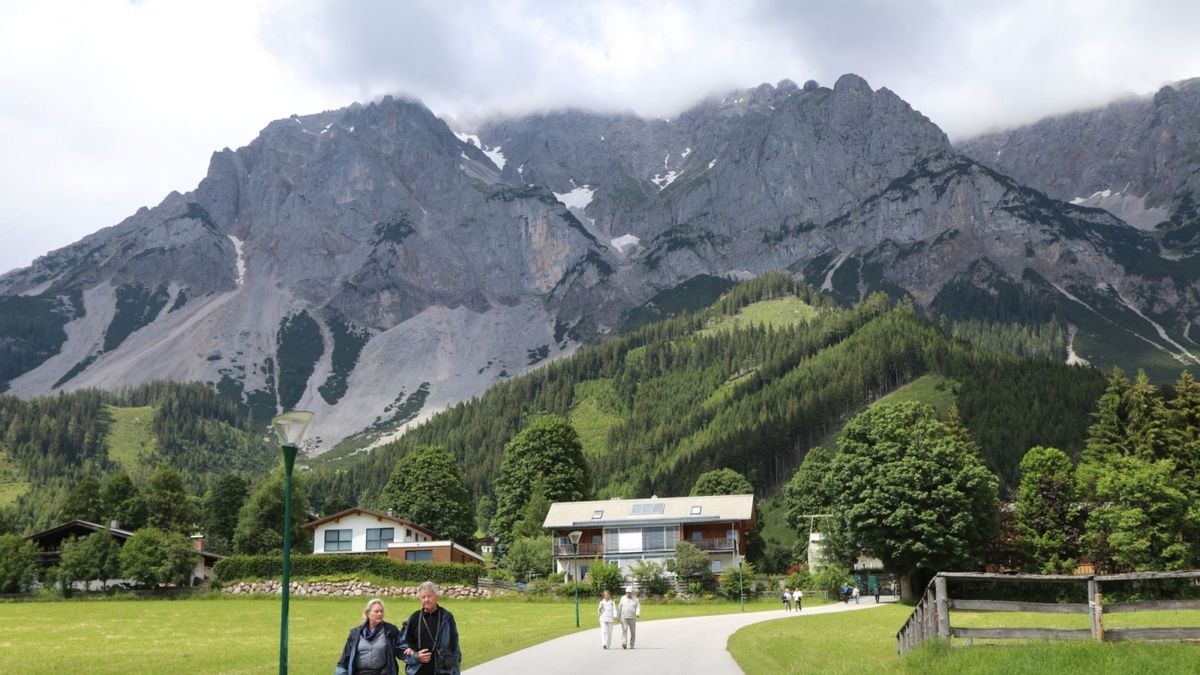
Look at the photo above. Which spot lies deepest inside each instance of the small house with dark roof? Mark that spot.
(50, 544)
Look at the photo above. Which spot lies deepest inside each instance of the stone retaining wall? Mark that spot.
(351, 589)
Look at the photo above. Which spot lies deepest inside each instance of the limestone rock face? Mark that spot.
(374, 266)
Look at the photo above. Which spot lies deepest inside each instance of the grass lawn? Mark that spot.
(865, 642)
(219, 634)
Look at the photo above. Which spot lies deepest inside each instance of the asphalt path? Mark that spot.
(686, 646)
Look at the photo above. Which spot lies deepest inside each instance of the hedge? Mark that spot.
(239, 567)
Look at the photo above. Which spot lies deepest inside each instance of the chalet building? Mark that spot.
(361, 531)
(50, 543)
(625, 531)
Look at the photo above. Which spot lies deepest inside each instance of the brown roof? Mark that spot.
(314, 524)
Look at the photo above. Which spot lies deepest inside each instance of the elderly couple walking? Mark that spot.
(427, 643)
(628, 611)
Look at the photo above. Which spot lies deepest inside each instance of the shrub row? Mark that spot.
(241, 567)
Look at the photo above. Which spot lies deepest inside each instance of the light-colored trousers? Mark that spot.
(605, 633)
(628, 631)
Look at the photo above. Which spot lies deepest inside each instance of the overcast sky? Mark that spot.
(108, 105)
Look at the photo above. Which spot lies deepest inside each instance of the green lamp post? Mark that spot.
(574, 537)
(289, 429)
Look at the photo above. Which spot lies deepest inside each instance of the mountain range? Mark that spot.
(373, 265)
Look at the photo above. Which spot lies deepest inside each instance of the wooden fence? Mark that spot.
(931, 617)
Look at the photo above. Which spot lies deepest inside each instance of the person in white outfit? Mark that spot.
(607, 611)
(629, 611)
(798, 597)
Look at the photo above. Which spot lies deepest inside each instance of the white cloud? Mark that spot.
(107, 105)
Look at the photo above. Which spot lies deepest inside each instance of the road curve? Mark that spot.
(685, 646)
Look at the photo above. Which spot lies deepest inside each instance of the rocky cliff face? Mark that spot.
(1138, 158)
(373, 266)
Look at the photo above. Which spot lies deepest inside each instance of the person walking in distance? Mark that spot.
(607, 611)
(855, 593)
(629, 611)
(798, 596)
(787, 600)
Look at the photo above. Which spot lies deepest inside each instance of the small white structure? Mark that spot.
(361, 531)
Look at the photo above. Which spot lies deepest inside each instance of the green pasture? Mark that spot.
(221, 634)
(131, 437)
(775, 313)
(865, 642)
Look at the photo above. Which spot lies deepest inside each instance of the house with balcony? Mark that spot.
(358, 530)
(625, 531)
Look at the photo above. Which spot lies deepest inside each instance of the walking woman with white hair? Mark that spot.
(372, 647)
(432, 637)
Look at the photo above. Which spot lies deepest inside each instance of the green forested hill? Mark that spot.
(48, 444)
(770, 370)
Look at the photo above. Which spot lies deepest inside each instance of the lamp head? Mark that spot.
(290, 426)
(574, 537)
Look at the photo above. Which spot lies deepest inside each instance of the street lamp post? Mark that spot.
(289, 429)
(574, 537)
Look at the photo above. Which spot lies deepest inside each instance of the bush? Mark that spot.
(730, 586)
(649, 576)
(606, 578)
(238, 567)
(501, 574)
(154, 557)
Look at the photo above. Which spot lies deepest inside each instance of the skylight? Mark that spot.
(647, 509)
(696, 510)
(597, 514)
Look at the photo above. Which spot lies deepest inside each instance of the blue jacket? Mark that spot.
(396, 647)
(447, 643)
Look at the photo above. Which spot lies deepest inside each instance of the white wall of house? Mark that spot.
(358, 524)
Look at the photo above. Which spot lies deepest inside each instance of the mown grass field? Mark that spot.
(218, 634)
(865, 642)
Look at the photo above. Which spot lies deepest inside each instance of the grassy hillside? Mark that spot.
(12, 485)
(130, 441)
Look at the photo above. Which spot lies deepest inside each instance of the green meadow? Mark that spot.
(865, 642)
(220, 634)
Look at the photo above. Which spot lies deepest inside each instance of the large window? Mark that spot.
(418, 556)
(379, 537)
(636, 539)
(338, 540)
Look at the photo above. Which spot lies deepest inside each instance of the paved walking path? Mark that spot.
(686, 646)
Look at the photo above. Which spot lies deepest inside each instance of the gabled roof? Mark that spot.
(653, 510)
(313, 525)
(78, 527)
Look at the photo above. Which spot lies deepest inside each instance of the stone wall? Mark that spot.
(364, 589)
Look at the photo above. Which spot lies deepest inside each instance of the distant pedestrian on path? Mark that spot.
(629, 611)
(798, 596)
(877, 594)
(787, 600)
(855, 593)
(845, 593)
(607, 611)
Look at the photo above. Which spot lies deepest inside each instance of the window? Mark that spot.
(597, 514)
(716, 566)
(696, 536)
(338, 540)
(379, 537)
(597, 539)
(647, 509)
(418, 556)
(696, 510)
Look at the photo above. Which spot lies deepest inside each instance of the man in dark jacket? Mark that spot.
(372, 647)
(432, 637)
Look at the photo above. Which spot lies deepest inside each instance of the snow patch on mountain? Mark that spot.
(241, 260)
(579, 198)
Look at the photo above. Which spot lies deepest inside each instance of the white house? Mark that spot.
(361, 531)
(624, 531)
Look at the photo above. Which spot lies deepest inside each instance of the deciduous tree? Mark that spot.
(427, 488)
(154, 557)
(910, 494)
(1048, 518)
(722, 482)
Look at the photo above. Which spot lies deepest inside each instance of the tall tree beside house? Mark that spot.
(260, 522)
(219, 511)
(534, 513)
(169, 504)
(811, 490)
(83, 502)
(1048, 519)
(154, 557)
(549, 449)
(911, 494)
(18, 563)
(721, 482)
(485, 509)
(122, 501)
(94, 558)
(427, 488)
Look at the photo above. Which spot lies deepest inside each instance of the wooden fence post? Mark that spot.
(1092, 592)
(1099, 614)
(943, 607)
